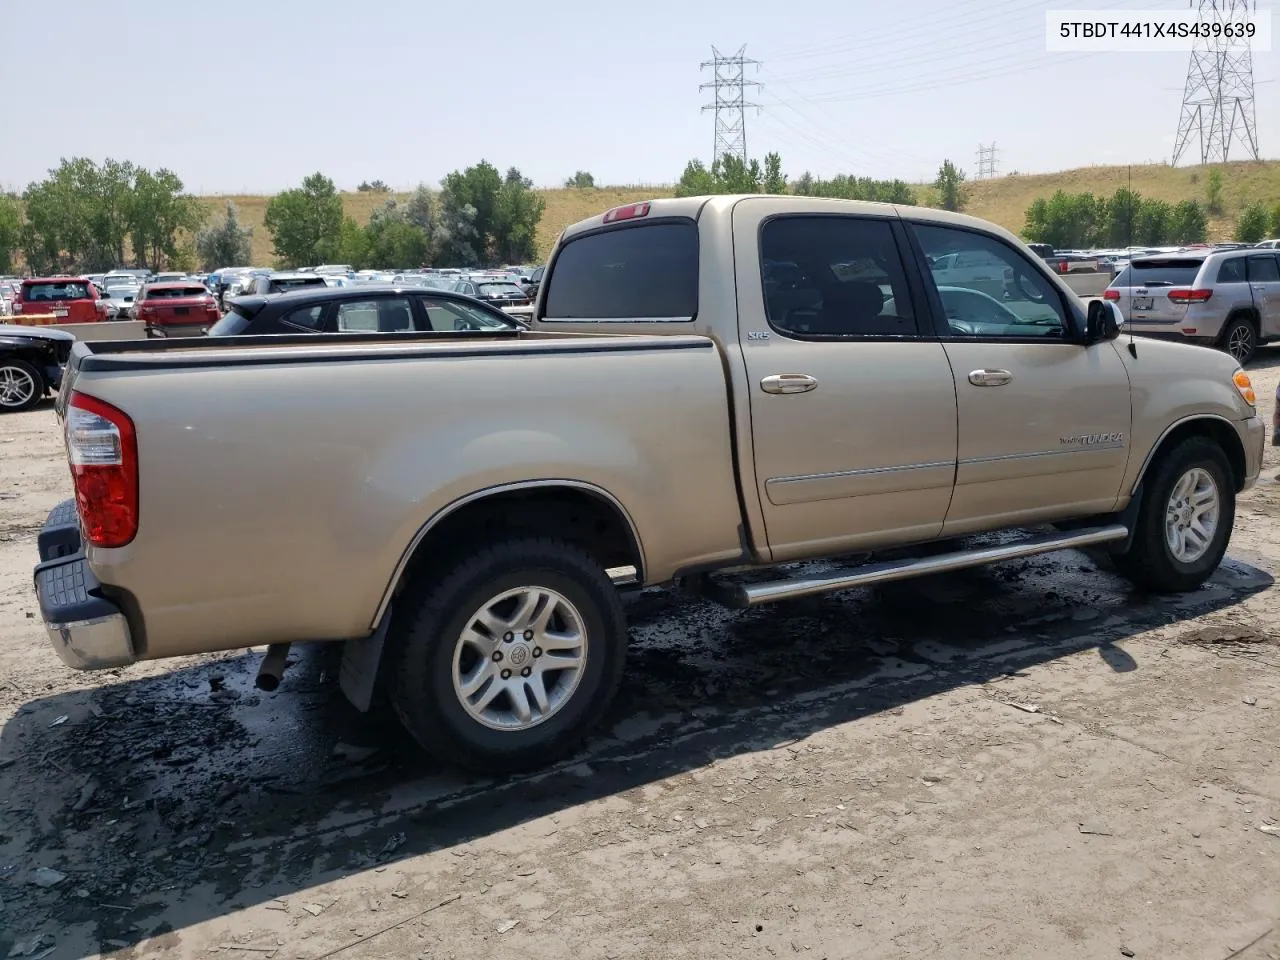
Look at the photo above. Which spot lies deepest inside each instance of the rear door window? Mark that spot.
(1263, 270)
(304, 318)
(35, 292)
(643, 272)
(381, 315)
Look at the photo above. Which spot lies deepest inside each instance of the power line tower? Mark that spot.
(987, 161)
(729, 81)
(1217, 101)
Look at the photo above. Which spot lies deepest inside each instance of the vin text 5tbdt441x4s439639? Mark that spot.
(710, 384)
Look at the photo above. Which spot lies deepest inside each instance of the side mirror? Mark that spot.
(1103, 322)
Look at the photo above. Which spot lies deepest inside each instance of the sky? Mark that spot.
(250, 97)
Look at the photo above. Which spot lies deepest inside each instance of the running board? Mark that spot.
(743, 595)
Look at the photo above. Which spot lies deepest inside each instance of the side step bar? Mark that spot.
(744, 595)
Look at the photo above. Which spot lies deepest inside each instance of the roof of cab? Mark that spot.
(692, 208)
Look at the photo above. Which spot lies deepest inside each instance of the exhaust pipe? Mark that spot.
(272, 667)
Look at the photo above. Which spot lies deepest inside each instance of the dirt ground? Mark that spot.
(1023, 761)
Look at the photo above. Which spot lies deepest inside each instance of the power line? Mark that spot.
(987, 161)
(1217, 99)
(729, 83)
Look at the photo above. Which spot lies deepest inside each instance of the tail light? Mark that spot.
(1188, 295)
(102, 448)
(1062, 266)
(1110, 294)
(17, 306)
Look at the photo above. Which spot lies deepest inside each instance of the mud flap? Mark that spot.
(358, 675)
(1128, 517)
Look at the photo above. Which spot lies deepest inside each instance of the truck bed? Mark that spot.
(282, 480)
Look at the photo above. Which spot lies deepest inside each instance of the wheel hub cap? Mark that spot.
(1192, 516)
(519, 659)
(16, 386)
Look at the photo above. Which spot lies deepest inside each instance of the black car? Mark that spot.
(531, 286)
(360, 309)
(31, 363)
(501, 293)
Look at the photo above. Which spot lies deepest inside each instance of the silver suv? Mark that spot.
(1229, 299)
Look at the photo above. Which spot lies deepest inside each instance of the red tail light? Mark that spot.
(1109, 294)
(103, 451)
(1188, 295)
(629, 212)
(1062, 266)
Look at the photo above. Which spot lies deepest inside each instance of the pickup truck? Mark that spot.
(711, 386)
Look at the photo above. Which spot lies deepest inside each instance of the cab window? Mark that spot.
(834, 277)
(988, 289)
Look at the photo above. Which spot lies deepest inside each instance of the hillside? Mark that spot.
(1003, 200)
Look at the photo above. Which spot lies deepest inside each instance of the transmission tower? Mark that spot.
(987, 161)
(1217, 101)
(729, 81)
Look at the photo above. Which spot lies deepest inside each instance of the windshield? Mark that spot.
(1158, 273)
(56, 291)
(499, 290)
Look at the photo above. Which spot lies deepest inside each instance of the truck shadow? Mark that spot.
(173, 799)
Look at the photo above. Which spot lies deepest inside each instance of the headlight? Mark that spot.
(1245, 386)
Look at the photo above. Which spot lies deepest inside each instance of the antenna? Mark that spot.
(1133, 346)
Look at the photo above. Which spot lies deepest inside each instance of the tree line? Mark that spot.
(86, 218)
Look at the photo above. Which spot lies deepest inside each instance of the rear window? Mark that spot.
(1159, 273)
(55, 291)
(641, 272)
(174, 293)
(293, 283)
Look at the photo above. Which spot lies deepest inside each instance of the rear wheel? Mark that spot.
(508, 660)
(1240, 339)
(1185, 520)
(22, 386)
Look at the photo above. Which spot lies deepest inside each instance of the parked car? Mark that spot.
(501, 293)
(8, 291)
(457, 508)
(31, 363)
(359, 309)
(176, 309)
(67, 299)
(1269, 245)
(274, 283)
(535, 281)
(1229, 299)
(120, 300)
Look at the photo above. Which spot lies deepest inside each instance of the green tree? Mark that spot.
(393, 241)
(516, 217)
(377, 186)
(56, 236)
(162, 213)
(419, 208)
(1067, 220)
(1275, 222)
(1122, 212)
(1188, 223)
(1155, 222)
(582, 180)
(10, 231)
(844, 187)
(476, 187)
(1213, 192)
(950, 186)
(775, 181)
(305, 223)
(353, 245)
(1253, 224)
(696, 181)
(226, 243)
(803, 185)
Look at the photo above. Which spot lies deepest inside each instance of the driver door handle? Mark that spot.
(990, 378)
(789, 383)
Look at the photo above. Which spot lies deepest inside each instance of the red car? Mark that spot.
(180, 309)
(70, 299)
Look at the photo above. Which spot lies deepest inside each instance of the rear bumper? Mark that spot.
(87, 630)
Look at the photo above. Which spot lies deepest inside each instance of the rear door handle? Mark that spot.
(789, 383)
(990, 378)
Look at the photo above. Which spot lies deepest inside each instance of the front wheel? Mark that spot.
(1184, 521)
(22, 386)
(506, 662)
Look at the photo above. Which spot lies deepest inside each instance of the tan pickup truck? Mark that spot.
(711, 385)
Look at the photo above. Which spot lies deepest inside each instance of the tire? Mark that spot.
(22, 386)
(1150, 562)
(1239, 339)
(431, 660)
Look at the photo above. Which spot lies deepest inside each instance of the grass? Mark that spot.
(1003, 200)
